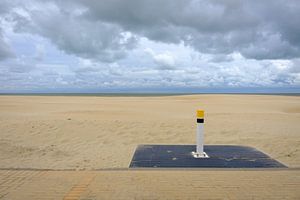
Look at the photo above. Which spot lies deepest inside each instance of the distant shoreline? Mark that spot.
(138, 94)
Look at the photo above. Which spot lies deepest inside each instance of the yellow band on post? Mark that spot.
(200, 113)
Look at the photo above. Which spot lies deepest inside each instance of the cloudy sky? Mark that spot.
(149, 45)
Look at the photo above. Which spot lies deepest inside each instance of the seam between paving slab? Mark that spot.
(157, 169)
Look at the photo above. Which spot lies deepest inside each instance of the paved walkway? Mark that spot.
(150, 184)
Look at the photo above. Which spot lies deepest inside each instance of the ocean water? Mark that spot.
(138, 94)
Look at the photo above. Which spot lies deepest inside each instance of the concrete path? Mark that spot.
(150, 184)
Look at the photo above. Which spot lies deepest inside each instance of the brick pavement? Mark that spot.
(150, 184)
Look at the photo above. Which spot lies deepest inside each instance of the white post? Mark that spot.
(200, 129)
(200, 136)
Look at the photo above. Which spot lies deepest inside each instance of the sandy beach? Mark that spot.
(83, 132)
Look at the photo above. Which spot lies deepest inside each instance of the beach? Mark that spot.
(92, 132)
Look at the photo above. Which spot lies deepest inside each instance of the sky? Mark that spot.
(149, 46)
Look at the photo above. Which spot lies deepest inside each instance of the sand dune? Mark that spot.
(102, 132)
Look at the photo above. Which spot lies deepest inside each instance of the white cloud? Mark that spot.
(164, 60)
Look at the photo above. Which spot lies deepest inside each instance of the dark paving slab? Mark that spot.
(220, 156)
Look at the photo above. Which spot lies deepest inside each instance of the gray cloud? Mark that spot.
(106, 29)
(21, 68)
(72, 33)
(5, 49)
(221, 58)
(295, 68)
(261, 30)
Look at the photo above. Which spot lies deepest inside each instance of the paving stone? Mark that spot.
(150, 184)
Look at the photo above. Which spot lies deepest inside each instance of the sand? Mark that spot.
(56, 132)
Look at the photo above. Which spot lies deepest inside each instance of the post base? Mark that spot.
(199, 155)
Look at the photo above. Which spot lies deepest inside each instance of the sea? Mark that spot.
(139, 94)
